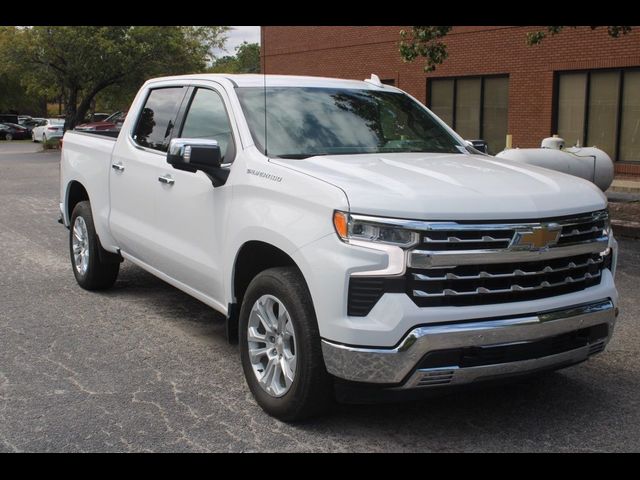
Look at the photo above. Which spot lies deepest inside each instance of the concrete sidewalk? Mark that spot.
(625, 185)
(624, 206)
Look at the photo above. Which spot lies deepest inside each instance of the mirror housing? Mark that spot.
(193, 154)
(480, 145)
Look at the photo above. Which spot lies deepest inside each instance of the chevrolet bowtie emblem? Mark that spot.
(536, 238)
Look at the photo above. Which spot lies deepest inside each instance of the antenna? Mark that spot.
(374, 80)
(264, 78)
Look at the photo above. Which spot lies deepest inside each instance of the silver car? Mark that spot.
(52, 128)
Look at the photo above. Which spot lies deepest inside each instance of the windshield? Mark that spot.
(303, 122)
(56, 121)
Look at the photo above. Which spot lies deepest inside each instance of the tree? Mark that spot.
(246, 60)
(427, 42)
(83, 61)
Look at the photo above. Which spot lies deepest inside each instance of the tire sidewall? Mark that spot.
(83, 209)
(270, 283)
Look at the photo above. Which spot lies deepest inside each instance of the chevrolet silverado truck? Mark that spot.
(349, 236)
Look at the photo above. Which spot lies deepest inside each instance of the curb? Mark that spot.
(623, 228)
(635, 190)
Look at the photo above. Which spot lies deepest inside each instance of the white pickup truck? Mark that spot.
(353, 241)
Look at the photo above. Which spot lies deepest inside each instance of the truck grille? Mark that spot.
(444, 236)
(458, 264)
(503, 282)
(464, 263)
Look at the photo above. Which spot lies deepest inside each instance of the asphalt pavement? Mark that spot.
(145, 367)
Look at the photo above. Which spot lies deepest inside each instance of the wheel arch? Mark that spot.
(253, 257)
(76, 193)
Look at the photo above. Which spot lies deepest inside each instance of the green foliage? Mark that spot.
(82, 61)
(427, 42)
(51, 144)
(534, 38)
(424, 42)
(246, 60)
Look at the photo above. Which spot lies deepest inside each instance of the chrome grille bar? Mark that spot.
(484, 238)
(514, 288)
(434, 259)
(515, 273)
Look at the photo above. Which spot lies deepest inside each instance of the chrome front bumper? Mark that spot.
(397, 367)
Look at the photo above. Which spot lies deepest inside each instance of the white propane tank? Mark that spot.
(554, 142)
(589, 163)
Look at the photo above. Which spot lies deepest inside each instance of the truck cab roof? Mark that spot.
(258, 80)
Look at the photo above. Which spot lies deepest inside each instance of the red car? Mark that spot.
(113, 122)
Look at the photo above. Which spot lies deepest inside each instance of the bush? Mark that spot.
(51, 144)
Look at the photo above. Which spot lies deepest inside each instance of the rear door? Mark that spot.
(135, 164)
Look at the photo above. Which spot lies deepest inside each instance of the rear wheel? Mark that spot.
(280, 346)
(93, 267)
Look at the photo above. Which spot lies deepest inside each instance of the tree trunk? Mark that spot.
(71, 111)
(85, 104)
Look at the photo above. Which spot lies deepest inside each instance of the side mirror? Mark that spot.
(193, 154)
(480, 145)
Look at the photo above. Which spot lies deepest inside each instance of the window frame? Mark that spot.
(455, 79)
(588, 71)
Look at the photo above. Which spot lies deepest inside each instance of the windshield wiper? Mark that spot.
(299, 156)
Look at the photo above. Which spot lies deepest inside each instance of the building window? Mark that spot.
(601, 108)
(388, 81)
(475, 107)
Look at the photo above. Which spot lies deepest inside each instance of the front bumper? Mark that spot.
(400, 367)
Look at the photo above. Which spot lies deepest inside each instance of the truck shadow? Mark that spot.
(556, 411)
(550, 411)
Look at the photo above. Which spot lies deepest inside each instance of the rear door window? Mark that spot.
(158, 118)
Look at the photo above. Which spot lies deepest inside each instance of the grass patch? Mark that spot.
(51, 144)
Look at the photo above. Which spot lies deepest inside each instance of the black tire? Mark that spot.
(100, 274)
(311, 392)
(8, 137)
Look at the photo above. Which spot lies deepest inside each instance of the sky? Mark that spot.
(236, 36)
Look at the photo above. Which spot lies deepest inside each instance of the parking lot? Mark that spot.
(145, 367)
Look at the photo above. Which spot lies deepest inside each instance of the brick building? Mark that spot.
(580, 83)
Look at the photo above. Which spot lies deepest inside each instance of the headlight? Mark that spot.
(372, 229)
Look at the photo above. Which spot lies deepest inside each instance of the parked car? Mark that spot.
(113, 122)
(32, 123)
(51, 128)
(12, 131)
(8, 118)
(352, 240)
(98, 117)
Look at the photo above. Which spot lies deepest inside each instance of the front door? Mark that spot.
(190, 212)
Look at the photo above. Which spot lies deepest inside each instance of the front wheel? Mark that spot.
(92, 270)
(280, 346)
(8, 137)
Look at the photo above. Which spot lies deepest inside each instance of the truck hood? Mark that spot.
(432, 186)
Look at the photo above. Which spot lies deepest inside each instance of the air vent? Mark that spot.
(436, 377)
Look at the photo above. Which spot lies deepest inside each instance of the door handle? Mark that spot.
(167, 180)
(118, 167)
